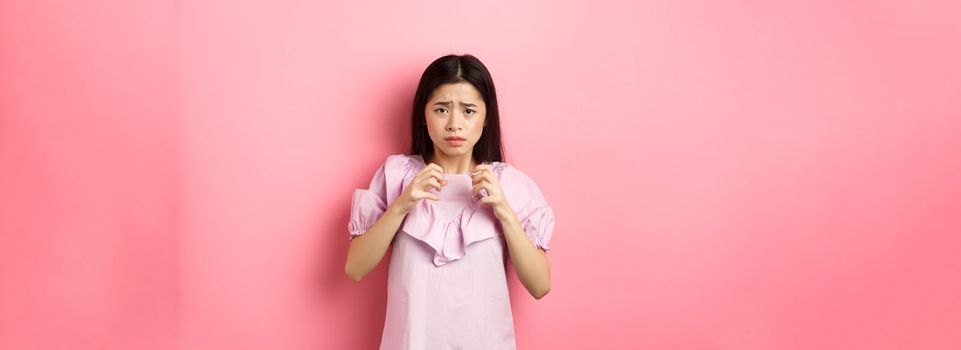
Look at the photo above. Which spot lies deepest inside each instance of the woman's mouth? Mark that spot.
(455, 140)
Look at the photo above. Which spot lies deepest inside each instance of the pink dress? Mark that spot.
(446, 283)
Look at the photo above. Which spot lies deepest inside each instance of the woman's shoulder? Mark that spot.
(519, 187)
(403, 162)
(397, 171)
(402, 157)
(510, 172)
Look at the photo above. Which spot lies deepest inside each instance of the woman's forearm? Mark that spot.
(530, 262)
(368, 249)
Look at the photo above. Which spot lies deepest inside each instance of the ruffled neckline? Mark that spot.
(449, 238)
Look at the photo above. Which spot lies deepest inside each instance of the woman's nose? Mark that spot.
(453, 124)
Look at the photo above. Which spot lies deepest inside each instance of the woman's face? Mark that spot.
(455, 118)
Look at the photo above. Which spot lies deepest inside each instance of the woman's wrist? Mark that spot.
(506, 216)
(399, 207)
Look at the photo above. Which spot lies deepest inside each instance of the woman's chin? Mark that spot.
(455, 151)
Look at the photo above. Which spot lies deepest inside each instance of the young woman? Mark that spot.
(452, 212)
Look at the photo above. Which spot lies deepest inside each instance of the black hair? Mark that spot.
(455, 69)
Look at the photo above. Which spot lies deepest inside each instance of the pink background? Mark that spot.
(726, 175)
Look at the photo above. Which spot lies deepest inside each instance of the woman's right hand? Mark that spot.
(431, 176)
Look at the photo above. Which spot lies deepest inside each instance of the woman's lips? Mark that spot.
(455, 141)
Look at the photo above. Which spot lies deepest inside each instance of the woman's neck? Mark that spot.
(453, 164)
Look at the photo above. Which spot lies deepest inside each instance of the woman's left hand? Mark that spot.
(483, 178)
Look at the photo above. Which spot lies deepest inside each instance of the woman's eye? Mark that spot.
(441, 110)
(469, 111)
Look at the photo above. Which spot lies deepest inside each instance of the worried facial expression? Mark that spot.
(455, 118)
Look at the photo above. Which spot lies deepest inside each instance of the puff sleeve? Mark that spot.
(527, 200)
(368, 205)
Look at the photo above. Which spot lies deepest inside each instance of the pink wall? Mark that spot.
(751, 175)
(89, 185)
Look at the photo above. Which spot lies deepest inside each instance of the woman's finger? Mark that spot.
(438, 172)
(432, 173)
(483, 185)
(484, 176)
(440, 178)
(420, 176)
(432, 182)
(425, 170)
(487, 200)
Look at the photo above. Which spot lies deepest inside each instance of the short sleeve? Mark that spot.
(368, 205)
(534, 213)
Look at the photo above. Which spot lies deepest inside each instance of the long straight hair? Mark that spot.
(455, 69)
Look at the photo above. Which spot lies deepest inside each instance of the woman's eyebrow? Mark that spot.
(448, 103)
